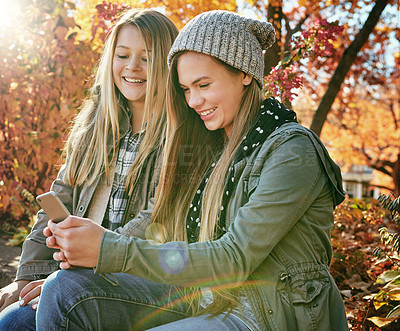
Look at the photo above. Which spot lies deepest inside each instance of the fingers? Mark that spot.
(52, 226)
(78, 238)
(30, 293)
(65, 265)
(59, 256)
(51, 242)
(9, 294)
(6, 299)
(47, 232)
(58, 229)
(30, 286)
(6, 302)
(69, 222)
(62, 256)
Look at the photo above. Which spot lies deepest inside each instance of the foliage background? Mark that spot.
(49, 49)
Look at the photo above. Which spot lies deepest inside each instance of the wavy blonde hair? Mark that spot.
(93, 141)
(190, 150)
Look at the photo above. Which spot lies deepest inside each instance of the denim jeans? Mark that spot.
(15, 317)
(79, 299)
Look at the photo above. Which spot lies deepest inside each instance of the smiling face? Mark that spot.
(210, 89)
(130, 66)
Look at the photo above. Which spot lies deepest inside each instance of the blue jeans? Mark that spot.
(15, 317)
(79, 299)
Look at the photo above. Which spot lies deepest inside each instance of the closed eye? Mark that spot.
(204, 85)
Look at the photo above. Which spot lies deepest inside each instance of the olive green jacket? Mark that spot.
(277, 247)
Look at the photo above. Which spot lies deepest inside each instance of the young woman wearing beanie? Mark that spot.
(113, 151)
(240, 232)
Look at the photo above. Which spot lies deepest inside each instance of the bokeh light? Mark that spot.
(173, 258)
(10, 12)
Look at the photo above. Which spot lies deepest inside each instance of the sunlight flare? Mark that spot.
(9, 13)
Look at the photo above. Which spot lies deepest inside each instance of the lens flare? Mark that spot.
(173, 258)
(9, 13)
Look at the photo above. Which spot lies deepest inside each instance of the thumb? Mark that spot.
(72, 222)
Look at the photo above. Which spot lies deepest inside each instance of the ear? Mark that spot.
(247, 79)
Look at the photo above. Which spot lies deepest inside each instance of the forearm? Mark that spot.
(177, 263)
(287, 186)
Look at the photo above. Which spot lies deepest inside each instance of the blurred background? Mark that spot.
(335, 62)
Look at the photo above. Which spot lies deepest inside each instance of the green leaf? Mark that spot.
(387, 276)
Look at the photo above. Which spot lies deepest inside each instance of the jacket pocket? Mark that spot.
(306, 304)
(305, 292)
(252, 183)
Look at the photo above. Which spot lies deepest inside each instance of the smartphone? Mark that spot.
(53, 206)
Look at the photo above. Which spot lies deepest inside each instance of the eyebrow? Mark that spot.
(197, 80)
(126, 47)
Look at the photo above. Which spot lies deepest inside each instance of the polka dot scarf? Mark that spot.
(272, 115)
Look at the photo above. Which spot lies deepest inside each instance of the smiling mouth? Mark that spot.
(131, 80)
(206, 112)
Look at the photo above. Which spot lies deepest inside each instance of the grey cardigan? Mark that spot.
(277, 247)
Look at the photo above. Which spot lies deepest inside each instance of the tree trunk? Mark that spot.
(396, 176)
(274, 16)
(344, 65)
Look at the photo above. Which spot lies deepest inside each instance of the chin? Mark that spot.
(211, 127)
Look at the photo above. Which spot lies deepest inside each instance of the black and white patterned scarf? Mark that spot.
(272, 115)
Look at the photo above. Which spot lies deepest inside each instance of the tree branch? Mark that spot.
(291, 32)
(395, 120)
(344, 65)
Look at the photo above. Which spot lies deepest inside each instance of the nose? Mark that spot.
(134, 63)
(194, 100)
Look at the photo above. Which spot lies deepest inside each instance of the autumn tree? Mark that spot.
(46, 62)
(42, 82)
(325, 75)
(368, 133)
(358, 60)
(180, 12)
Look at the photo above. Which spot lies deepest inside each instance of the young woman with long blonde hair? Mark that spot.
(113, 152)
(243, 214)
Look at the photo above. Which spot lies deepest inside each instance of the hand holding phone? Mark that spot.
(53, 206)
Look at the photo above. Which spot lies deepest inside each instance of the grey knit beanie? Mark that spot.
(231, 38)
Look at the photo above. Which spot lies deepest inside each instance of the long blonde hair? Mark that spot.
(191, 149)
(93, 140)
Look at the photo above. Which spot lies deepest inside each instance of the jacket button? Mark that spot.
(81, 208)
(131, 215)
(270, 311)
(315, 304)
(311, 290)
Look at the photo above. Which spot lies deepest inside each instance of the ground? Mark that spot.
(9, 258)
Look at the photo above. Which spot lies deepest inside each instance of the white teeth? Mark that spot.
(130, 80)
(204, 113)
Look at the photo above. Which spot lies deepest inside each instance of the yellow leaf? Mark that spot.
(381, 322)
